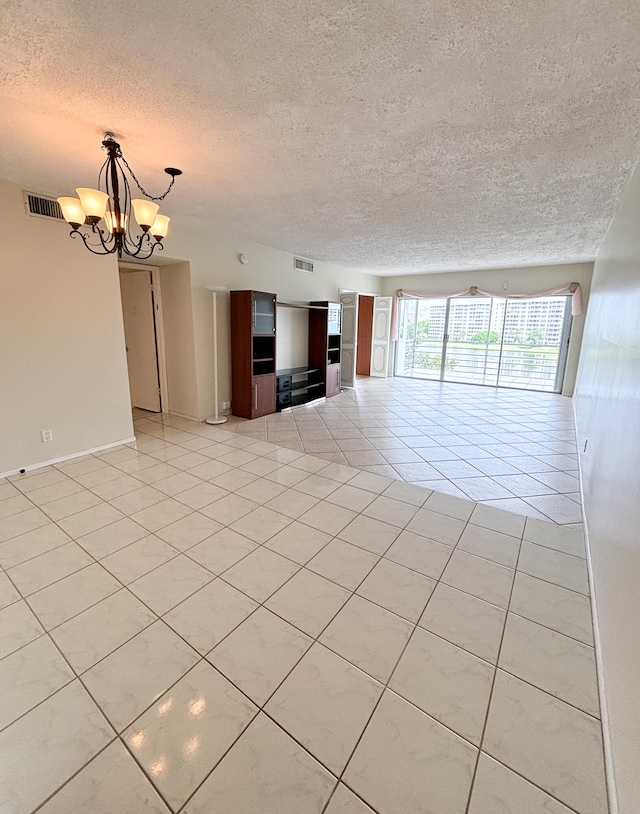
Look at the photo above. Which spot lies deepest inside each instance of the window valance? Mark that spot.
(572, 289)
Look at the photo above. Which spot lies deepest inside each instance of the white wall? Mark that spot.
(526, 280)
(62, 353)
(607, 404)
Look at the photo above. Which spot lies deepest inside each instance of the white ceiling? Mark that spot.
(396, 136)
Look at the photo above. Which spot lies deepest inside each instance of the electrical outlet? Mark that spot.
(47, 435)
(226, 405)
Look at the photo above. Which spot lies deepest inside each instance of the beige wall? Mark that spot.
(292, 337)
(179, 341)
(62, 352)
(607, 404)
(62, 356)
(526, 280)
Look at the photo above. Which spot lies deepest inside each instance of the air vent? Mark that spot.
(38, 206)
(303, 265)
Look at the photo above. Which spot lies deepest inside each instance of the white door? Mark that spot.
(380, 340)
(349, 302)
(136, 291)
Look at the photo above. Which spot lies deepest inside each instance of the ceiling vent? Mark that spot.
(39, 206)
(303, 265)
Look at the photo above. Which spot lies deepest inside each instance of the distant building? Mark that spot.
(467, 318)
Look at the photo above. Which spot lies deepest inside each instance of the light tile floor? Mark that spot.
(511, 449)
(205, 622)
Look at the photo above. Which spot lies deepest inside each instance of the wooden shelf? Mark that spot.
(325, 343)
(297, 371)
(253, 353)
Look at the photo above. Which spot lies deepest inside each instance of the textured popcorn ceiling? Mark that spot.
(395, 137)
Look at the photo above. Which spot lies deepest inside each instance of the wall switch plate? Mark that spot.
(47, 435)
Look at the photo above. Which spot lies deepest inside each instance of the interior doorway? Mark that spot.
(365, 329)
(140, 296)
(358, 325)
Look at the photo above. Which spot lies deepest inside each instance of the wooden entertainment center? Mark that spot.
(258, 387)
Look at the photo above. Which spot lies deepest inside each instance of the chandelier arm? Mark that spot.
(141, 256)
(139, 249)
(85, 239)
(103, 169)
(127, 247)
(135, 244)
(105, 243)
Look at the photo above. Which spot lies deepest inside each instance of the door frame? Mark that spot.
(348, 372)
(359, 294)
(156, 298)
(367, 335)
(563, 356)
(383, 343)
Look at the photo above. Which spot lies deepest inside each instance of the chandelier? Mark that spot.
(102, 217)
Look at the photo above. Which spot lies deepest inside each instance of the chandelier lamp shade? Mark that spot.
(104, 217)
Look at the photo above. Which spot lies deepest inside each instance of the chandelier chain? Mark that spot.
(141, 188)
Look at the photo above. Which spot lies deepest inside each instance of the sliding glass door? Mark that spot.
(474, 340)
(420, 347)
(536, 335)
(485, 340)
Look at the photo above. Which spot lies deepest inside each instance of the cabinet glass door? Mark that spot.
(333, 318)
(264, 314)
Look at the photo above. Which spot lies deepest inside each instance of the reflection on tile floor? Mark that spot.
(207, 622)
(511, 449)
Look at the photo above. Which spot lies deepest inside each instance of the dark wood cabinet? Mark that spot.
(253, 353)
(264, 395)
(325, 343)
(333, 379)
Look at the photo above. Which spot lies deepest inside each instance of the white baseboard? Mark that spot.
(30, 467)
(602, 696)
